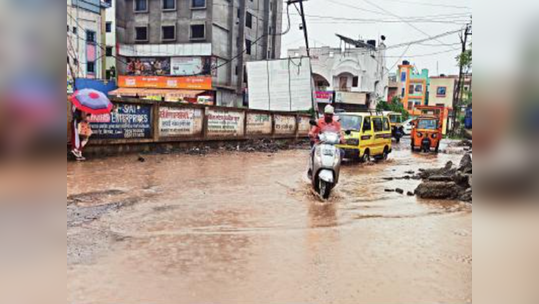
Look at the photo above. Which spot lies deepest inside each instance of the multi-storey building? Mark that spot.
(180, 43)
(413, 86)
(86, 38)
(110, 49)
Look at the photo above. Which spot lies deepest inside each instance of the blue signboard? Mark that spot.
(126, 121)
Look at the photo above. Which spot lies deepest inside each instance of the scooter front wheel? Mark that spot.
(324, 189)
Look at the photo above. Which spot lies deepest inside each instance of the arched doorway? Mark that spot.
(320, 82)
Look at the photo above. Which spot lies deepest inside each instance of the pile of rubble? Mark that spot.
(249, 146)
(448, 182)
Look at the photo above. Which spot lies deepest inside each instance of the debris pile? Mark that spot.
(448, 182)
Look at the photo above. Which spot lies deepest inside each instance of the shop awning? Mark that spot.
(169, 95)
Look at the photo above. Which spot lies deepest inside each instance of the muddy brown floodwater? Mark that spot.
(245, 228)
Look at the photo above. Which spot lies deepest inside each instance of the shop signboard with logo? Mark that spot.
(163, 82)
(324, 96)
(126, 121)
(177, 122)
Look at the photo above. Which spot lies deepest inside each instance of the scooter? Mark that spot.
(325, 164)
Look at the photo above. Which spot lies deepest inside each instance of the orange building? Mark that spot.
(412, 87)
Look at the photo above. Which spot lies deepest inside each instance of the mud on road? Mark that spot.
(239, 227)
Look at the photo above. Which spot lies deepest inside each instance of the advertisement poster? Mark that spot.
(188, 66)
(179, 122)
(225, 123)
(161, 82)
(126, 121)
(148, 66)
(259, 124)
(285, 124)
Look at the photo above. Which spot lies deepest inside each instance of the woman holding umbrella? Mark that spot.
(86, 102)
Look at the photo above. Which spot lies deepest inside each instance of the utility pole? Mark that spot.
(457, 94)
(306, 34)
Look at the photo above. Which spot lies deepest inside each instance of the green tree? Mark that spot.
(395, 105)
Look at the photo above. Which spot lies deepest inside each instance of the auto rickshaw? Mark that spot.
(428, 129)
(396, 121)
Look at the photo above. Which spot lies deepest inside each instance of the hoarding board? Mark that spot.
(225, 123)
(162, 82)
(259, 124)
(126, 121)
(148, 66)
(186, 66)
(285, 125)
(280, 85)
(176, 122)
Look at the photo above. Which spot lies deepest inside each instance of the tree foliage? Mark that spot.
(395, 105)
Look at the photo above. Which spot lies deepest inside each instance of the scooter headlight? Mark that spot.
(434, 136)
(419, 134)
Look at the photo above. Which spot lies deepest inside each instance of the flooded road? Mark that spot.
(245, 228)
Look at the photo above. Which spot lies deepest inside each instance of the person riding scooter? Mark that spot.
(325, 124)
(325, 159)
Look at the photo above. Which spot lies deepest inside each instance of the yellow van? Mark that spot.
(366, 135)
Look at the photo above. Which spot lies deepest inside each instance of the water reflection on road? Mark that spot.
(245, 228)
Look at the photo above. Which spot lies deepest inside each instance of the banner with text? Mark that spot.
(175, 122)
(259, 124)
(162, 82)
(225, 123)
(126, 121)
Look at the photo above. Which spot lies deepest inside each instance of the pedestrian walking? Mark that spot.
(81, 133)
(85, 103)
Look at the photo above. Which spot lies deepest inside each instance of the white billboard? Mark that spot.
(280, 85)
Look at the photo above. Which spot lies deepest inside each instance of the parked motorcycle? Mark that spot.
(325, 164)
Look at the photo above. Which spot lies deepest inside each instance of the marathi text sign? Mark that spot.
(162, 82)
(303, 125)
(225, 123)
(259, 124)
(174, 122)
(285, 125)
(126, 121)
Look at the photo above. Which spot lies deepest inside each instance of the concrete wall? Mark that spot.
(176, 123)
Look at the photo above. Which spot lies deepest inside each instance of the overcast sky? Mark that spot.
(358, 19)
